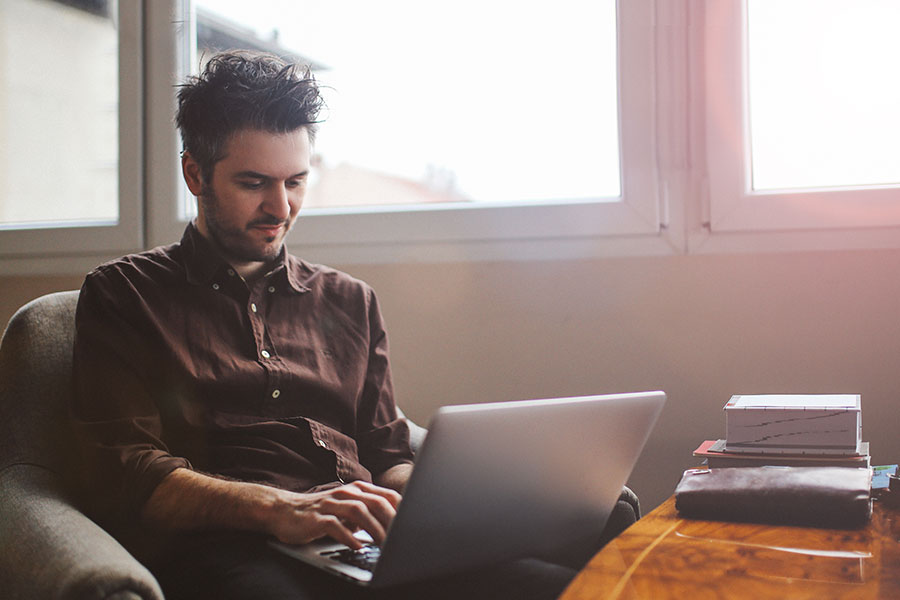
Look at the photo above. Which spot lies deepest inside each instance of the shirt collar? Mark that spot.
(202, 263)
(289, 269)
(293, 269)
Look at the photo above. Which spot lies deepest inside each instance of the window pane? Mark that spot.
(823, 95)
(465, 101)
(59, 100)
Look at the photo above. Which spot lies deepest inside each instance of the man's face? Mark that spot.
(254, 194)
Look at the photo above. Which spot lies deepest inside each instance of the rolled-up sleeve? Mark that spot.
(383, 437)
(118, 423)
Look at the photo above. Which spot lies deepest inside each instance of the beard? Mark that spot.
(235, 241)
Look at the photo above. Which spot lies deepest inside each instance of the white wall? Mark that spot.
(699, 327)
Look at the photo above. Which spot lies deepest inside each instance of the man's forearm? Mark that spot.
(394, 478)
(186, 500)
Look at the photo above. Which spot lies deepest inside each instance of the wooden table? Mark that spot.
(664, 556)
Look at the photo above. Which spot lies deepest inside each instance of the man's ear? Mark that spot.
(192, 174)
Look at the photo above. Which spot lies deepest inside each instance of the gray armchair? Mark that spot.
(48, 547)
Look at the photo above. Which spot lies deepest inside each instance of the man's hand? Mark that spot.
(339, 512)
(187, 500)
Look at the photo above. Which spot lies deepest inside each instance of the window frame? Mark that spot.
(732, 206)
(64, 239)
(170, 25)
(690, 198)
(484, 230)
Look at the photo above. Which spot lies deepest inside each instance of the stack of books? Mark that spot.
(789, 430)
(716, 456)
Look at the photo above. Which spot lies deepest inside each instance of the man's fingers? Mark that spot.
(365, 506)
(356, 512)
(339, 512)
(380, 501)
(390, 495)
(317, 525)
(333, 527)
(379, 506)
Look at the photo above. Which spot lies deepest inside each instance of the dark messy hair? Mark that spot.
(244, 90)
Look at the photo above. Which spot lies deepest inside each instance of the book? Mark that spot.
(881, 476)
(794, 424)
(716, 456)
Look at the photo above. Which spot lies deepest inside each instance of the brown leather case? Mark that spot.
(835, 497)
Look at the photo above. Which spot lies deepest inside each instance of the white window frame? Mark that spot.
(684, 177)
(838, 217)
(634, 223)
(170, 26)
(65, 240)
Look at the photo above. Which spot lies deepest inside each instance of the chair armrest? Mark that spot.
(625, 513)
(417, 435)
(53, 550)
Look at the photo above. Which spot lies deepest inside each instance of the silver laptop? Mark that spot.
(500, 481)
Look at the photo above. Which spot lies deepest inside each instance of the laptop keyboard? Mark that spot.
(364, 558)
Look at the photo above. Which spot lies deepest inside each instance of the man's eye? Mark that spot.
(294, 183)
(251, 185)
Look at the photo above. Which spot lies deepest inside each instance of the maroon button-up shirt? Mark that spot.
(180, 363)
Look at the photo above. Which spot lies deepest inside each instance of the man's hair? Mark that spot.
(244, 90)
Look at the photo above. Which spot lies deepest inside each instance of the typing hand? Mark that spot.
(338, 512)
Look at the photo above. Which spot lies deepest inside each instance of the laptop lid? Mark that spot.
(504, 480)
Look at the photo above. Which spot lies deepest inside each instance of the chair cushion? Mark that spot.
(52, 550)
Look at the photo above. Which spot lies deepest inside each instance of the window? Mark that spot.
(646, 126)
(457, 102)
(822, 113)
(801, 117)
(469, 122)
(68, 159)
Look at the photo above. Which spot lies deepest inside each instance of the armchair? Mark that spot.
(48, 547)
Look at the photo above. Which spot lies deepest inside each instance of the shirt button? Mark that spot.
(231, 272)
(321, 443)
(265, 354)
(253, 307)
(276, 393)
(215, 286)
(271, 289)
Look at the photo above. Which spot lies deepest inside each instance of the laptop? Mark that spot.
(499, 481)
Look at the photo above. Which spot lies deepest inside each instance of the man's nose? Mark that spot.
(278, 202)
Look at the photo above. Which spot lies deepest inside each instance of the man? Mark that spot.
(227, 392)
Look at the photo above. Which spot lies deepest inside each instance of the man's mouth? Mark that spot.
(268, 228)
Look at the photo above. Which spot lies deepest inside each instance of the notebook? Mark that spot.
(500, 481)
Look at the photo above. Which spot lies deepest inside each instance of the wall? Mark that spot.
(699, 327)
(16, 291)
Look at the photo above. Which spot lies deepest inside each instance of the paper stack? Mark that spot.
(794, 424)
(789, 430)
(715, 455)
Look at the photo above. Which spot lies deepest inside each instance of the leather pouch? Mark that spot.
(834, 497)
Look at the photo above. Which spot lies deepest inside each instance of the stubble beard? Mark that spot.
(235, 242)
